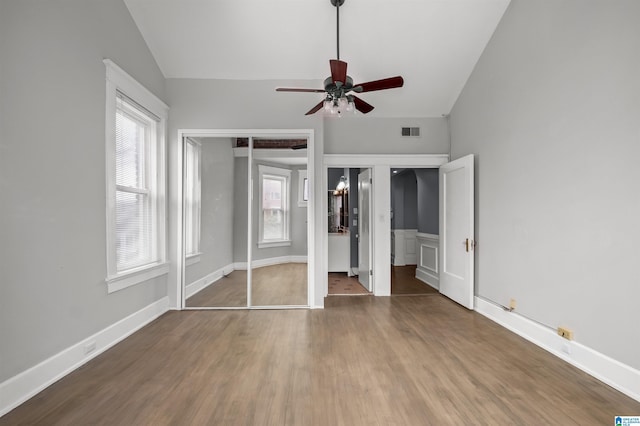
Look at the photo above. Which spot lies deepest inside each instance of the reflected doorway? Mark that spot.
(344, 216)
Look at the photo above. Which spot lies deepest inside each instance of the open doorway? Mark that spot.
(414, 231)
(349, 231)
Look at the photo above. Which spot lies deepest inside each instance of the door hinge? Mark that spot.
(371, 272)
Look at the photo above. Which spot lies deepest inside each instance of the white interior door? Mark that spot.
(456, 231)
(364, 228)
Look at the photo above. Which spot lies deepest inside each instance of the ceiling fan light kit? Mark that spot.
(338, 87)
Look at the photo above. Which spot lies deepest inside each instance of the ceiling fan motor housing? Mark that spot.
(337, 89)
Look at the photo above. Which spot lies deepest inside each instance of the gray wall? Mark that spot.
(428, 201)
(552, 113)
(404, 200)
(52, 173)
(240, 207)
(368, 135)
(217, 213)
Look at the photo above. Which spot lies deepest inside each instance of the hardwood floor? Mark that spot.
(361, 361)
(283, 284)
(228, 291)
(404, 282)
(341, 284)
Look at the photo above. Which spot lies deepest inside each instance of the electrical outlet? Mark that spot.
(512, 305)
(89, 347)
(565, 332)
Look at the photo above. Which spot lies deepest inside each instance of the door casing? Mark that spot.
(380, 165)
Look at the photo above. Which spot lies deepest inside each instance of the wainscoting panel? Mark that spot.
(403, 247)
(427, 270)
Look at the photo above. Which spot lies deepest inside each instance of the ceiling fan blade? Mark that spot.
(361, 105)
(315, 108)
(385, 83)
(338, 71)
(291, 89)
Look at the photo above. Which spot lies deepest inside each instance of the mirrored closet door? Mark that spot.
(242, 251)
(279, 218)
(215, 218)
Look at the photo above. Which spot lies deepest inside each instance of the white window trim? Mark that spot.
(277, 172)
(302, 175)
(118, 80)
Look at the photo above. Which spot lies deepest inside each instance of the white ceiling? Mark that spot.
(433, 44)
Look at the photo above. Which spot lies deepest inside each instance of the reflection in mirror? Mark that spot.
(279, 215)
(215, 223)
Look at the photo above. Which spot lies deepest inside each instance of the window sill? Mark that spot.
(267, 244)
(135, 276)
(192, 259)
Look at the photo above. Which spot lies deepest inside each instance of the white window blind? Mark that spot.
(135, 203)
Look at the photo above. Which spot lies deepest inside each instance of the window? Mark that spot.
(274, 217)
(192, 200)
(135, 122)
(303, 188)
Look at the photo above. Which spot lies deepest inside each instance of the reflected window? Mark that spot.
(192, 198)
(303, 188)
(274, 215)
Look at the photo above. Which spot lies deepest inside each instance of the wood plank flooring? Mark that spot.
(361, 361)
(228, 291)
(404, 282)
(342, 284)
(283, 284)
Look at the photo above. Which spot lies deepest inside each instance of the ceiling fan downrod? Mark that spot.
(337, 4)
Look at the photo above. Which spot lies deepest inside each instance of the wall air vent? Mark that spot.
(411, 131)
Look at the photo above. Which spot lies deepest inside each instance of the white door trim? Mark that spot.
(381, 197)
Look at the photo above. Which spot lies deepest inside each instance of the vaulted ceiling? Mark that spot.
(433, 44)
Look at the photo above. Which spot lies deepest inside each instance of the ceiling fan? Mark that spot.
(339, 86)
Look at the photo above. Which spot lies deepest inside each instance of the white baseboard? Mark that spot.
(278, 260)
(608, 370)
(20, 388)
(207, 280)
(240, 266)
(428, 278)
